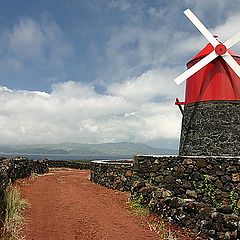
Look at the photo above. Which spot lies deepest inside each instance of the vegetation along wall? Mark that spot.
(15, 168)
(201, 193)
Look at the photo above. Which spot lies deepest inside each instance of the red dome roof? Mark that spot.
(208, 49)
(214, 82)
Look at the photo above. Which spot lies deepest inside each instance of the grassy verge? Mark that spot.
(162, 231)
(155, 225)
(14, 205)
(138, 208)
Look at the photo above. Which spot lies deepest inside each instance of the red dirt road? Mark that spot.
(66, 205)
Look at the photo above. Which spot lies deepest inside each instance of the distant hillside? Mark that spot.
(125, 149)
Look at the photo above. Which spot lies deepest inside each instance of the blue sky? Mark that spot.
(99, 70)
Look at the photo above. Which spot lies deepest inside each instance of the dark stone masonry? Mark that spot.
(68, 164)
(211, 128)
(200, 193)
(15, 168)
(115, 175)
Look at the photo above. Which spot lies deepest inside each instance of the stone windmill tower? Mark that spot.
(211, 115)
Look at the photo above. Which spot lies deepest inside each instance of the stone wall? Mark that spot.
(116, 175)
(211, 128)
(15, 168)
(201, 193)
(68, 164)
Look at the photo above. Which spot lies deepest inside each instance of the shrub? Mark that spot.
(14, 205)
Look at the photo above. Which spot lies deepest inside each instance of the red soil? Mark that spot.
(67, 205)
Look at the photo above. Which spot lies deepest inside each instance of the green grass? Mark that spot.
(160, 229)
(14, 205)
(156, 226)
(137, 207)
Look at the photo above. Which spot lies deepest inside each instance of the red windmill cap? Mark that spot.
(208, 49)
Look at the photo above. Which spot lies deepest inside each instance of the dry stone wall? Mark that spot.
(68, 164)
(15, 168)
(115, 175)
(201, 193)
(207, 179)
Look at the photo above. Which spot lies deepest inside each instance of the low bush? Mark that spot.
(14, 205)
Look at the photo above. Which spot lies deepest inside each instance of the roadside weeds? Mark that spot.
(14, 206)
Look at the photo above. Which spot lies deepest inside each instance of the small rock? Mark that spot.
(225, 178)
(212, 233)
(232, 218)
(203, 223)
(231, 235)
(236, 177)
(176, 203)
(181, 170)
(238, 203)
(218, 184)
(166, 172)
(215, 215)
(219, 173)
(191, 193)
(186, 184)
(156, 161)
(209, 167)
(200, 238)
(206, 212)
(159, 179)
(188, 161)
(166, 193)
(195, 176)
(231, 169)
(191, 207)
(178, 181)
(238, 186)
(129, 173)
(225, 209)
(201, 163)
(228, 187)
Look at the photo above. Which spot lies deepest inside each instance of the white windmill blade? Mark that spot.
(232, 63)
(196, 67)
(232, 41)
(199, 25)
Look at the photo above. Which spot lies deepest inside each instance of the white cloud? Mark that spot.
(26, 39)
(121, 5)
(33, 47)
(228, 29)
(173, 39)
(157, 13)
(71, 89)
(143, 57)
(151, 84)
(75, 112)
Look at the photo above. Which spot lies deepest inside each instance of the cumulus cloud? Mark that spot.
(75, 112)
(37, 41)
(151, 84)
(170, 38)
(132, 50)
(33, 51)
(140, 62)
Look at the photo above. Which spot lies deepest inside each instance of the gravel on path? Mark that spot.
(66, 205)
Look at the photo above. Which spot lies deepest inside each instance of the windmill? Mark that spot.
(211, 116)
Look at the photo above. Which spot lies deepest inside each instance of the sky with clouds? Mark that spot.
(100, 70)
